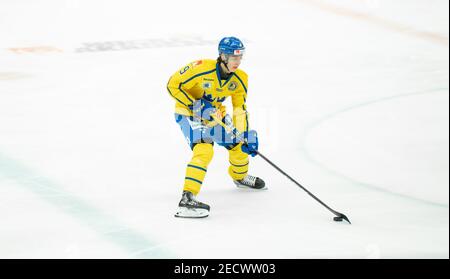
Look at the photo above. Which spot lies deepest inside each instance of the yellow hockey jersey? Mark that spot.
(201, 79)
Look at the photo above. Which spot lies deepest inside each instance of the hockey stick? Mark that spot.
(339, 216)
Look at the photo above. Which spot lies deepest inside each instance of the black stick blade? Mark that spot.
(339, 217)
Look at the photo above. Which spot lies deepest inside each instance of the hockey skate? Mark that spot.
(189, 207)
(251, 182)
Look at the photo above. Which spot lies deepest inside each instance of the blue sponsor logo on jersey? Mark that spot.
(207, 85)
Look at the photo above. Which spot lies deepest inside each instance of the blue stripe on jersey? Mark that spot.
(220, 78)
(229, 78)
(245, 88)
(193, 179)
(195, 167)
(170, 92)
(218, 74)
(185, 94)
(197, 75)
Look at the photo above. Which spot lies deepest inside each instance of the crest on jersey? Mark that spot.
(232, 86)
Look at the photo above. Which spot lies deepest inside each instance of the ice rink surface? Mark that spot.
(349, 97)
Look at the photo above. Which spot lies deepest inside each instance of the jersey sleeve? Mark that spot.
(239, 99)
(180, 83)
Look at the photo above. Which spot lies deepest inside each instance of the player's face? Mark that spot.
(233, 62)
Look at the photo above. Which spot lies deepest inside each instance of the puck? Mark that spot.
(337, 219)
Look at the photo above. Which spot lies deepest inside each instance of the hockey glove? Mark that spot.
(250, 146)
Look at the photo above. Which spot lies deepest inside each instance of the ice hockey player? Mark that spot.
(199, 90)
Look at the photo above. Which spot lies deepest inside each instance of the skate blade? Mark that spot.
(241, 186)
(184, 212)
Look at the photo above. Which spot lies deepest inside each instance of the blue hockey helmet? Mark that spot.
(231, 46)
